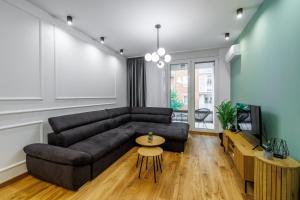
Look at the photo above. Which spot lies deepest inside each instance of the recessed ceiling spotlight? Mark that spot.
(121, 51)
(69, 20)
(239, 13)
(227, 36)
(102, 40)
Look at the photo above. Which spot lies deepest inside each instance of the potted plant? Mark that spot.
(226, 114)
(150, 136)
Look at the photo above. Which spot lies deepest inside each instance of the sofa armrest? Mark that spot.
(58, 154)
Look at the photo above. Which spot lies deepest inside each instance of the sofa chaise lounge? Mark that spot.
(83, 145)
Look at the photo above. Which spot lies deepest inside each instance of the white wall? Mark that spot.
(158, 83)
(48, 69)
(157, 94)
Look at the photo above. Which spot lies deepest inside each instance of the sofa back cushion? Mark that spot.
(115, 112)
(74, 135)
(151, 114)
(119, 115)
(121, 119)
(152, 110)
(66, 122)
(151, 118)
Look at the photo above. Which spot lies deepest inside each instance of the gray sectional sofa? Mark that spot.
(83, 145)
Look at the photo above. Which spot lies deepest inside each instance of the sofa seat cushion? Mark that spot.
(103, 143)
(168, 131)
(183, 125)
(129, 125)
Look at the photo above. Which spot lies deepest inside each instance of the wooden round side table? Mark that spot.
(143, 141)
(276, 178)
(155, 153)
(156, 141)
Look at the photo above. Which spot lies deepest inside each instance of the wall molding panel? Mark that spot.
(82, 68)
(18, 166)
(39, 79)
(72, 98)
(53, 108)
(11, 62)
(20, 98)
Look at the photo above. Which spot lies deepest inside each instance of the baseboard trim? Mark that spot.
(10, 181)
(205, 133)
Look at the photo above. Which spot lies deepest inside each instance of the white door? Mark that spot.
(179, 90)
(192, 92)
(203, 103)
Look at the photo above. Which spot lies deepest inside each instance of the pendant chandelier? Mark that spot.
(159, 56)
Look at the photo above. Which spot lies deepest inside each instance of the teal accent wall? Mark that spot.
(268, 71)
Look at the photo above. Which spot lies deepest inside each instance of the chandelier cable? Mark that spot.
(157, 26)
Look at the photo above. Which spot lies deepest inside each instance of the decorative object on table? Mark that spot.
(268, 152)
(150, 136)
(226, 114)
(280, 148)
(159, 56)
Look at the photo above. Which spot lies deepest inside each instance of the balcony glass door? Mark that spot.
(179, 89)
(204, 95)
(192, 93)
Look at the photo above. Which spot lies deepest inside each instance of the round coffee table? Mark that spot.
(156, 141)
(143, 141)
(155, 153)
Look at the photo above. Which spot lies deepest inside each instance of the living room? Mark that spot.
(149, 100)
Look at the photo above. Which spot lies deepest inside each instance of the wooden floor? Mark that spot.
(202, 172)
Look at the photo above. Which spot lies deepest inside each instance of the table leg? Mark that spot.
(156, 160)
(147, 162)
(154, 170)
(141, 166)
(159, 164)
(161, 157)
(137, 162)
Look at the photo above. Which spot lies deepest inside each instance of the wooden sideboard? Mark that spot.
(276, 178)
(241, 152)
(273, 178)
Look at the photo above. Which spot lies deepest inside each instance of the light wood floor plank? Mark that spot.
(203, 171)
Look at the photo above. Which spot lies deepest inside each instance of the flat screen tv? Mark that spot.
(249, 121)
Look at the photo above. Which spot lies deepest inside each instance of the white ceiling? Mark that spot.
(129, 24)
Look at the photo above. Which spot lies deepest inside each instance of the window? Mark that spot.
(179, 91)
(185, 100)
(204, 95)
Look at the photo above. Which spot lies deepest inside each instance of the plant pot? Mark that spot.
(221, 138)
(150, 138)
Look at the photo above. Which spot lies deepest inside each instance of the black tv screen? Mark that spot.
(249, 120)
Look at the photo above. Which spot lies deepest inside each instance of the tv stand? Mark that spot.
(255, 147)
(241, 151)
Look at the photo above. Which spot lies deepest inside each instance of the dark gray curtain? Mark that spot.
(136, 82)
